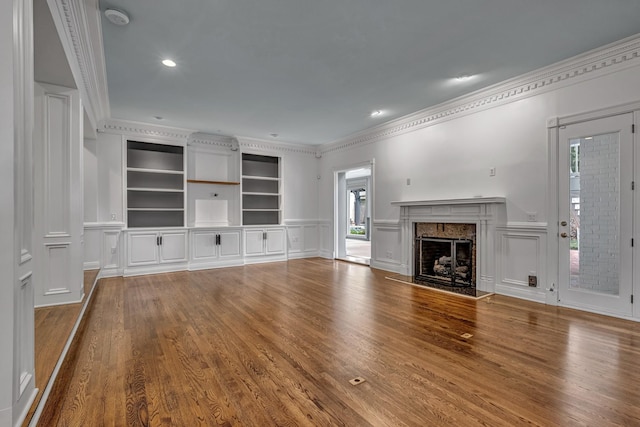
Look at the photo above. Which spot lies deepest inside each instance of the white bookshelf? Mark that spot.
(261, 184)
(155, 185)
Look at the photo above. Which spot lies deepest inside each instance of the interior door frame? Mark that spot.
(553, 138)
(340, 205)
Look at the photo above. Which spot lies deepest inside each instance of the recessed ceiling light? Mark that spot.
(168, 63)
(463, 78)
(376, 113)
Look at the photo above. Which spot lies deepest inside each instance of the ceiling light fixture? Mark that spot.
(274, 135)
(117, 17)
(157, 117)
(376, 113)
(463, 78)
(168, 63)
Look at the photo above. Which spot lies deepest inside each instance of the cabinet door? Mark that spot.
(275, 241)
(229, 244)
(173, 247)
(204, 245)
(142, 248)
(254, 242)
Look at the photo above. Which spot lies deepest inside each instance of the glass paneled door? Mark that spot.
(596, 215)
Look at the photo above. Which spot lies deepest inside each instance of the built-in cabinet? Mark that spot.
(264, 241)
(261, 199)
(215, 247)
(150, 247)
(155, 185)
(231, 203)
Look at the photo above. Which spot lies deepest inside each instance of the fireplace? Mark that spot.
(460, 228)
(445, 261)
(444, 254)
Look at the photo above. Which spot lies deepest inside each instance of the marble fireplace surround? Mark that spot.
(486, 213)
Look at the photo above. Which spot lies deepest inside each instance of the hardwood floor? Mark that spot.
(52, 328)
(276, 344)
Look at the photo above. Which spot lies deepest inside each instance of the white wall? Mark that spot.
(90, 160)
(452, 158)
(7, 254)
(110, 182)
(299, 186)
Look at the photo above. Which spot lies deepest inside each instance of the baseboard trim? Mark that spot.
(391, 266)
(300, 255)
(168, 268)
(217, 264)
(525, 294)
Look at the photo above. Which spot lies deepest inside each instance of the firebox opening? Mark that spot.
(444, 260)
(445, 255)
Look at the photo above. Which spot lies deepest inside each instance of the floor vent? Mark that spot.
(357, 380)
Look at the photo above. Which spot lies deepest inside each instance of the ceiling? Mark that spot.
(312, 72)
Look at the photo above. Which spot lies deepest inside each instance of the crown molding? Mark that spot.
(80, 32)
(145, 130)
(247, 143)
(211, 140)
(595, 63)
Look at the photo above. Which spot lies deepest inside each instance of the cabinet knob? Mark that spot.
(563, 235)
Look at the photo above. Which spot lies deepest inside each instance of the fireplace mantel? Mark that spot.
(469, 201)
(486, 212)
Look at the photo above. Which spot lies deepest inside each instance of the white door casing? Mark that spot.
(595, 174)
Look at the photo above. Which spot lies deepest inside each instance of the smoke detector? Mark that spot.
(117, 17)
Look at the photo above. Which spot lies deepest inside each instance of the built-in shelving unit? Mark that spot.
(200, 181)
(155, 185)
(261, 200)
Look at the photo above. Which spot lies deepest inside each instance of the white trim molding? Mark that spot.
(206, 139)
(521, 252)
(386, 245)
(248, 144)
(303, 237)
(595, 63)
(139, 129)
(78, 24)
(487, 213)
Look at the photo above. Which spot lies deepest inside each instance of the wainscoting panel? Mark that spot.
(521, 253)
(302, 238)
(310, 236)
(111, 251)
(24, 333)
(326, 239)
(92, 244)
(58, 269)
(386, 246)
(294, 239)
(58, 163)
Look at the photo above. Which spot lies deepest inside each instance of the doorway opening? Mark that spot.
(353, 214)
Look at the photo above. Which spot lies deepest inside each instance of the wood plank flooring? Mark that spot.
(52, 328)
(276, 344)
